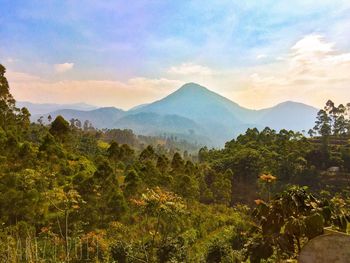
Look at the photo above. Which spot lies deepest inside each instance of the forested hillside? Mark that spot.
(73, 193)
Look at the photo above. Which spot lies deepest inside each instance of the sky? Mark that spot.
(124, 53)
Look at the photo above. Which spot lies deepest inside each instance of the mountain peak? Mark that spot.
(192, 87)
(293, 104)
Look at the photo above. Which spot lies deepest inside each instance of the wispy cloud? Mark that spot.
(261, 56)
(11, 60)
(60, 68)
(190, 69)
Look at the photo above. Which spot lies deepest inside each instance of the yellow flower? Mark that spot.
(269, 178)
(259, 201)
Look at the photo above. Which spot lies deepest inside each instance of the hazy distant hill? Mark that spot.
(149, 123)
(289, 115)
(139, 106)
(43, 108)
(100, 118)
(194, 112)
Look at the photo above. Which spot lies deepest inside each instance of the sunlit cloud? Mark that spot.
(261, 56)
(190, 69)
(313, 44)
(60, 68)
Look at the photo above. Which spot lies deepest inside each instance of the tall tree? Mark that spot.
(59, 127)
(115, 153)
(339, 124)
(7, 102)
(323, 123)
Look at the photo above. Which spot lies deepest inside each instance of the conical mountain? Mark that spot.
(220, 118)
(198, 103)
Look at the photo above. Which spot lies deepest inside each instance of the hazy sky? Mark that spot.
(124, 53)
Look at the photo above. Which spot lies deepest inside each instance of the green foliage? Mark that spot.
(59, 127)
(286, 222)
(132, 183)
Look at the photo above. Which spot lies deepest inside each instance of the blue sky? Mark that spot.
(68, 51)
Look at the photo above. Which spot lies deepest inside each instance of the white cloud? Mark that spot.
(261, 56)
(190, 69)
(60, 68)
(11, 60)
(313, 44)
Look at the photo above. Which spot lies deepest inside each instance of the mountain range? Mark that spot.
(194, 113)
(43, 108)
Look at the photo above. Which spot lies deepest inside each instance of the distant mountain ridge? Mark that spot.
(195, 112)
(43, 108)
(289, 115)
(100, 118)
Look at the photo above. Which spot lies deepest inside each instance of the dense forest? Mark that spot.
(72, 193)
